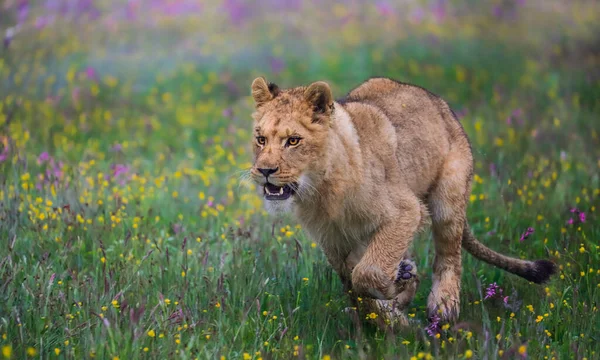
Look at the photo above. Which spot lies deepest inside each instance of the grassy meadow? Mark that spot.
(126, 233)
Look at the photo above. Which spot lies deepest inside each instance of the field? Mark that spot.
(127, 233)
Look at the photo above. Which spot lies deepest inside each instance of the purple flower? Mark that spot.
(227, 112)
(91, 73)
(434, 326)
(492, 290)
(580, 216)
(527, 233)
(116, 147)
(177, 228)
(277, 65)
(120, 169)
(384, 8)
(43, 157)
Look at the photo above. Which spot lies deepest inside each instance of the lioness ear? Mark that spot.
(319, 95)
(263, 92)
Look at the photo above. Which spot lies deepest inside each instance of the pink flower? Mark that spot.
(527, 233)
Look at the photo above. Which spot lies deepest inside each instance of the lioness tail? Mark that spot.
(538, 271)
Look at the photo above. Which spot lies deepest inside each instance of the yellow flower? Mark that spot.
(468, 354)
(31, 351)
(7, 351)
(522, 349)
(151, 333)
(372, 316)
(146, 349)
(218, 305)
(326, 357)
(247, 356)
(57, 351)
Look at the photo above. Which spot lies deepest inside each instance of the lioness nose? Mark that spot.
(267, 172)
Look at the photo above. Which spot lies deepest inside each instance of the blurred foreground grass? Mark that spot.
(126, 233)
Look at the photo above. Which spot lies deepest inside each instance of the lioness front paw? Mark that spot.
(407, 272)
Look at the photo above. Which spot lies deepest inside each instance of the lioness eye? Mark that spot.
(293, 141)
(261, 140)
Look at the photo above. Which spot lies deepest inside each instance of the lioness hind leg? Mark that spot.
(447, 203)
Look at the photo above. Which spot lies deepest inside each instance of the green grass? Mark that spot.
(174, 257)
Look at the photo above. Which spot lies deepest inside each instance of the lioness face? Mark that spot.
(290, 135)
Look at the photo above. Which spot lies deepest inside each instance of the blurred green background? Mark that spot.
(126, 232)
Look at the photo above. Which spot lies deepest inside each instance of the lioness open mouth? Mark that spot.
(274, 192)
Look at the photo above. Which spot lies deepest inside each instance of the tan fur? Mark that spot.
(369, 168)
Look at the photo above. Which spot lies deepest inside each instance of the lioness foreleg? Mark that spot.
(377, 273)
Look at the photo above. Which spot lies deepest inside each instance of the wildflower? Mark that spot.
(523, 350)
(492, 290)
(151, 333)
(434, 326)
(31, 351)
(7, 351)
(527, 233)
(468, 354)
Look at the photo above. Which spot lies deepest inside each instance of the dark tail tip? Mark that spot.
(540, 271)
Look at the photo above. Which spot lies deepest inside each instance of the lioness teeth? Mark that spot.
(280, 191)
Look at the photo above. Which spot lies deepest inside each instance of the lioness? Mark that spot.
(362, 173)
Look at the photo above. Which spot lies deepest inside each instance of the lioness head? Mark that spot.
(290, 138)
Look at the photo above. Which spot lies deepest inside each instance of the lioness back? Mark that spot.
(425, 126)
